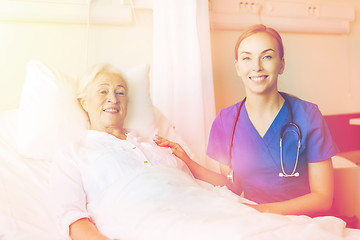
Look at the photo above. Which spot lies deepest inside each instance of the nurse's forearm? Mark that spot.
(319, 199)
(203, 173)
(310, 204)
(196, 169)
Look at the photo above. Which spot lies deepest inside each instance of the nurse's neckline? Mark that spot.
(260, 122)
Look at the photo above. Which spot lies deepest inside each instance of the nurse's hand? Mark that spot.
(176, 149)
(196, 169)
(259, 207)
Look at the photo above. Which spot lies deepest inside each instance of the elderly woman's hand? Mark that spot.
(175, 147)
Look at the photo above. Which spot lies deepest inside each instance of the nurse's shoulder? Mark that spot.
(229, 112)
(300, 106)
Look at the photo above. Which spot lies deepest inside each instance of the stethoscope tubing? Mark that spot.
(283, 132)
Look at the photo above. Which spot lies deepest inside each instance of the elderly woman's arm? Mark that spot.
(84, 229)
(196, 169)
(69, 199)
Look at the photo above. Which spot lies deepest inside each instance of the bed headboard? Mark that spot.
(346, 136)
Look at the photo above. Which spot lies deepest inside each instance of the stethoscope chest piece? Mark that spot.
(281, 174)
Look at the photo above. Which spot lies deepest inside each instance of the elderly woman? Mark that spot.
(82, 172)
(103, 95)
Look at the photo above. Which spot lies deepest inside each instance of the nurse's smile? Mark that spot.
(258, 78)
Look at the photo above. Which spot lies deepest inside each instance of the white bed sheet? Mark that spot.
(25, 209)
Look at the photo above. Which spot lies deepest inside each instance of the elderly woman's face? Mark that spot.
(106, 101)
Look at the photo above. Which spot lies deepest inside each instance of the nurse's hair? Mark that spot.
(89, 76)
(258, 29)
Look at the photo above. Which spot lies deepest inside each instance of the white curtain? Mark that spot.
(182, 84)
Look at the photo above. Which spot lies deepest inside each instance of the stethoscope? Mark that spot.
(284, 130)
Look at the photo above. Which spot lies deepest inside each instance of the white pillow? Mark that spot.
(140, 115)
(50, 115)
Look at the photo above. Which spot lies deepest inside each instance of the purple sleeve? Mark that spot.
(319, 140)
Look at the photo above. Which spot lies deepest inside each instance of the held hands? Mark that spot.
(176, 149)
(198, 171)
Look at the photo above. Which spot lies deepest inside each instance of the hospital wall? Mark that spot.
(70, 48)
(321, 68)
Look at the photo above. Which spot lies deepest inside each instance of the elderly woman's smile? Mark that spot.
(111, 110)
(106, 102)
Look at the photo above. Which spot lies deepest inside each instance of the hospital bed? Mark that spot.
(45, 120)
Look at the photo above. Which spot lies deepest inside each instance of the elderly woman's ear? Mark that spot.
(83, 103)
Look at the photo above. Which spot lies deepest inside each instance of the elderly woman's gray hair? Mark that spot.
(89, 76)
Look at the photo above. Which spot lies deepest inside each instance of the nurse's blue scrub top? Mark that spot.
(256, 160)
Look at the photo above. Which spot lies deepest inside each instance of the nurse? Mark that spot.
(296, 178)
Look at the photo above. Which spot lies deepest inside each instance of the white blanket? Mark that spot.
(164, 203)
(155, 203)
(25, 209)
